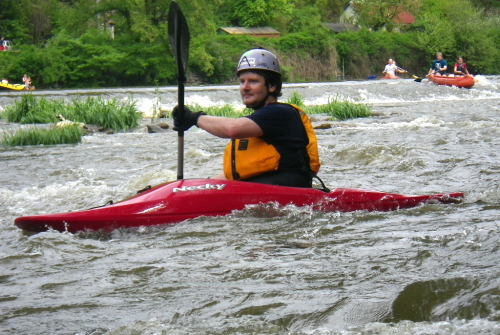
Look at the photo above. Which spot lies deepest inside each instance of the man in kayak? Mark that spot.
(460, 67)
(391, 68)
(276, 144)
(439, 66)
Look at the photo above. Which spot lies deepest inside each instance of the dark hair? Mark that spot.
(270, 79)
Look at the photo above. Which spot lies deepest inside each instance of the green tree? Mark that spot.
(254, 13)
(487, 4)
(13, 21)
(434, 35)
(385, 14)
(330, 9)
(463, 31)
(68, 43)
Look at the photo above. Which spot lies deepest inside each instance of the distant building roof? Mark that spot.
(259, 31)
(340, 27)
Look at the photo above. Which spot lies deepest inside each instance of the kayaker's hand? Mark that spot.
(189, 118)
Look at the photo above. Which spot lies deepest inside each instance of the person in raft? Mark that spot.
(460, 67)
(439, 66)
(276, 144)
(391, 68)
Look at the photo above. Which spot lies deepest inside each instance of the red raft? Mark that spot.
(188, 199)
(459, 81)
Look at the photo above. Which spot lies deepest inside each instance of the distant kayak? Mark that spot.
(16, 87)
(387, 76)
(459, 81)
(188, 199)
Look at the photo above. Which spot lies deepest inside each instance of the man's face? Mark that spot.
(253, 88)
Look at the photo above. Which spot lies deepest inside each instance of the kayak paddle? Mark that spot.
(417, 79)
(178, 34)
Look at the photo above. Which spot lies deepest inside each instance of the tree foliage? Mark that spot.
(463, 31)
(109, 43)
(385, 14)
(253, 13)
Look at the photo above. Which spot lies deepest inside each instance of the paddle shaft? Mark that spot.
(181, 80)
(178, 33)
(180, 134)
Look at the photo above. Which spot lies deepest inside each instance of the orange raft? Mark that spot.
(459, 81)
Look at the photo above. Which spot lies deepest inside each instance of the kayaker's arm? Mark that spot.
(225, 127)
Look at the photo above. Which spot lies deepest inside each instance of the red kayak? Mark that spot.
(459, 81)
(188, 199)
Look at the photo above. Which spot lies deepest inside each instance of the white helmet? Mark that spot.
(259, 59)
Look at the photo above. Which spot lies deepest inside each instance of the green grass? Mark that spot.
(296, 99)
(113, 115)
(340, 110)
(106, 113)
(226, 110)
(36, 136)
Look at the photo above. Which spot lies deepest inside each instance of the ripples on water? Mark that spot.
(268, 270)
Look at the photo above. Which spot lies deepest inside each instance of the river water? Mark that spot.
(433, 269)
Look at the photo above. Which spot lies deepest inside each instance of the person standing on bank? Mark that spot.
(276, 144)
(439, 66)
(25, 81)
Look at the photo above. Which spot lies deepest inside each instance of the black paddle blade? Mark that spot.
(417, 79)
(178, 34)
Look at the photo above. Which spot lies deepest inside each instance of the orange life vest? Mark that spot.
(250, 157)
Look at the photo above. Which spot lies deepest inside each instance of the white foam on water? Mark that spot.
(482, 81)
(198, 153)
(82, 193)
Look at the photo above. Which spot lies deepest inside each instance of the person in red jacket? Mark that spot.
(460, 67)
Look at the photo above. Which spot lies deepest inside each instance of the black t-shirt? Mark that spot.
(284, 129)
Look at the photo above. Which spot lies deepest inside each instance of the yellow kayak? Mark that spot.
(17, 87)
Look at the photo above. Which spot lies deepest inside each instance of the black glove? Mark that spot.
(189, 118)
